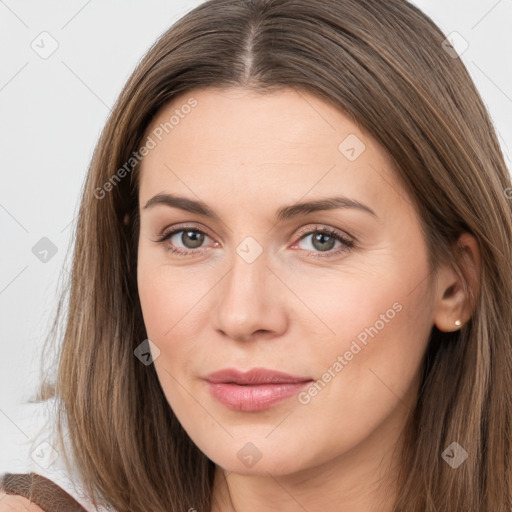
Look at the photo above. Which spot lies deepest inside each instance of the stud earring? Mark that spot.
(457, 323)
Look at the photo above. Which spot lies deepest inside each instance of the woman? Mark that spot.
(291, 282)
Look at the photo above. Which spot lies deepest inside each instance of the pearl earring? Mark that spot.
(457, 323)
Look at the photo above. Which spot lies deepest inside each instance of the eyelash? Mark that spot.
(348, 244)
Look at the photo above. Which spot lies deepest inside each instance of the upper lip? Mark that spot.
(253, 376)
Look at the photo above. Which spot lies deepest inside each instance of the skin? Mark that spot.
(10, 503)
(246, 155)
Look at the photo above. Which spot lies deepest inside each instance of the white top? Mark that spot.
(29, 443)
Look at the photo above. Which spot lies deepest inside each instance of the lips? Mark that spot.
(255, 390)
(255, 376)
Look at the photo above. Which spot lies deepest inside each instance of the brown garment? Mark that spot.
(39, 490)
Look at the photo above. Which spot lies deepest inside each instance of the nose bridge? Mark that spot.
(247, 281)
(246, 304)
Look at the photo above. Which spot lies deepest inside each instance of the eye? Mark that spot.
(323, 240)
(190, 238)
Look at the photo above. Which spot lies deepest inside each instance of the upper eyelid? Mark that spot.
(186, 226)
(323, 227)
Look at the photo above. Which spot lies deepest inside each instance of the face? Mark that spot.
(340, 296)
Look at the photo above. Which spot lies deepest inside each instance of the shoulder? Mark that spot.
(37, 490)
(17, 504)
(41, 463)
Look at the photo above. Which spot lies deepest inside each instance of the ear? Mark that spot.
(456, 298)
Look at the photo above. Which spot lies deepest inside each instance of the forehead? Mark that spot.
(287, 143)
(284, 120)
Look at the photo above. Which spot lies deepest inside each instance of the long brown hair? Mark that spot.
(384, 65)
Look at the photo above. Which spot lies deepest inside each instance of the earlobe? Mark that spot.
(457, 294)
(448, 315)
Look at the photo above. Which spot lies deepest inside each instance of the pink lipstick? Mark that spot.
(255, 390)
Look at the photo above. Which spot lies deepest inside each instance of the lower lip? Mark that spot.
(253, 397)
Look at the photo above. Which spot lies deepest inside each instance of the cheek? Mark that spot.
(375, 329)
(169, 304)
(167, 294)
(156, 302)
(367, 373)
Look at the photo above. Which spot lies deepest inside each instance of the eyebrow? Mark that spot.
(283, 213)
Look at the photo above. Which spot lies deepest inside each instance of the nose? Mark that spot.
(249, 303)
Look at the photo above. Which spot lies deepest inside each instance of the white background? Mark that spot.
(51, 114)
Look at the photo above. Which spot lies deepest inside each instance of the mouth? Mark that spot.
(254, 376)
(255, 390)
